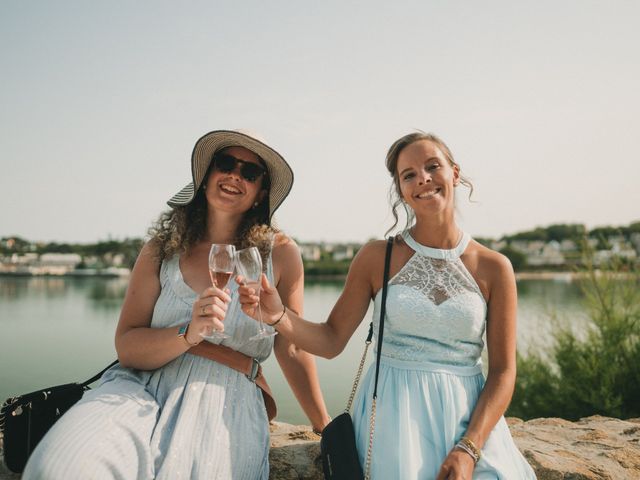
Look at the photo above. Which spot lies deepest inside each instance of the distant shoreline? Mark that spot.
(108, 274)
(533, 275)
(73, 274)
(568, 276)
(558, 276)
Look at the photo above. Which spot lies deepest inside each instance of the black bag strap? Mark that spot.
(385, 279)
(86, 383)
(383, 308)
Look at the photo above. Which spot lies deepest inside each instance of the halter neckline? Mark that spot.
(439, 253)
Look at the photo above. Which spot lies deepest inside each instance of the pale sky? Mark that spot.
(101, 103)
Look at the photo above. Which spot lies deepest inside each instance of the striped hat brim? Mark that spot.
(280, 172)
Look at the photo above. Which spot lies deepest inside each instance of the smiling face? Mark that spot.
(426, 178)
(230, 191)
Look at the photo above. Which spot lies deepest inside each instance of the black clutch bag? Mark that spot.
(25, 419)
(338, 443)
(339, 452)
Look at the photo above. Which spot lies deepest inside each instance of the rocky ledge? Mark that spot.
(593, 448)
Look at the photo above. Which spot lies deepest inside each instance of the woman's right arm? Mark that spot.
(145, 348)
(326, 339)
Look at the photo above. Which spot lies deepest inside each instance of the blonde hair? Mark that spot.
(395, 194)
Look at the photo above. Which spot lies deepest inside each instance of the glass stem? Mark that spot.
(261, 328)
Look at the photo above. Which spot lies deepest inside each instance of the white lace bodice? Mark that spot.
(435, 309)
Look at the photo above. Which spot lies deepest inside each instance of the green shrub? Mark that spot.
(596, 373)
(518, 259)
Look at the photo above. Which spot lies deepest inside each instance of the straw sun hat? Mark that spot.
(280, 172)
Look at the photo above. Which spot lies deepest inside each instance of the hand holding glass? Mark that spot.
(249, 265)
(221, 265)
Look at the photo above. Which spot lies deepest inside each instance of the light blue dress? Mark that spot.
(190, 419)
(430, 373)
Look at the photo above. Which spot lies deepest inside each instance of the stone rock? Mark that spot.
(593, 448)
(295, 453)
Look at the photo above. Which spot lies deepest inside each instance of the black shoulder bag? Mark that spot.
(338, 443)
(25, 419)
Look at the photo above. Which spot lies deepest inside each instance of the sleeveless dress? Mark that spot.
(430, 373)
(190, 419)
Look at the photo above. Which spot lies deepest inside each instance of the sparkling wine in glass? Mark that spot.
(222, 259)
(249, 265)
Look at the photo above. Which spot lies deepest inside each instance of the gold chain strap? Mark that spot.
(372, 419)
(357, 380)
(372, 426)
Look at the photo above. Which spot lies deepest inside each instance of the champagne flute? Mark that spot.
(221, 264)
(249, 264)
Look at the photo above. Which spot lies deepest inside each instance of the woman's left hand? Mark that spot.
(457, 466)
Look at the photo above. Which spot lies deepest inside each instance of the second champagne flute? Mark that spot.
(249, 264)
(221, 264)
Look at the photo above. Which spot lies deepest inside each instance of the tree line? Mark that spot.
(129, 247)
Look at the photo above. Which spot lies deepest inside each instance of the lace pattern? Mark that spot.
(438, 280)
(435, 309)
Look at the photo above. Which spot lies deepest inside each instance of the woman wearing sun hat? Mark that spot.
(177, 407)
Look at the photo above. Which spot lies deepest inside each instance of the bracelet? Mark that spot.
(464, 448)
(467, 445)
(284, 310)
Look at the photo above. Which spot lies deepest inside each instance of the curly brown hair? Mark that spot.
(177, 230)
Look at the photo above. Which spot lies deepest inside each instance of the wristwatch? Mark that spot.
(182, 332)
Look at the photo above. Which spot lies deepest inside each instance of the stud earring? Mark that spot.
(255, 205)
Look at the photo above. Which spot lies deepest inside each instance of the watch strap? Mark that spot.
(182, 332)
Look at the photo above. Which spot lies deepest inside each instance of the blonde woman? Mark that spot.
(437, 417)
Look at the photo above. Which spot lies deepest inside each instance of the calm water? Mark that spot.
(59, 330)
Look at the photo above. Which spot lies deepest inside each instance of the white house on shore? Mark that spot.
(546, 254)
(45, 264)
(310, 251)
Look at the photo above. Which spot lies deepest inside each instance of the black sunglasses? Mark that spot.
(227, 164)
